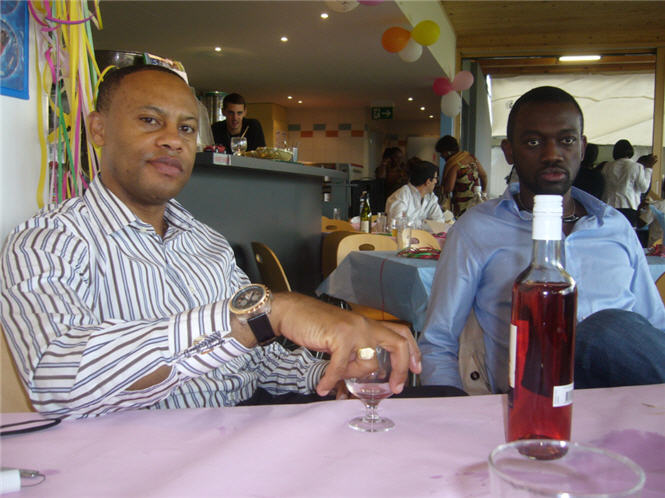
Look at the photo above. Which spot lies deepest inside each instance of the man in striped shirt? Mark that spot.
(105, 297)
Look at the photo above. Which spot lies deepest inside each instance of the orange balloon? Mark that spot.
(395, 39)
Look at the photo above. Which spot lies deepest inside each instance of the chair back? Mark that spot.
(13, 397)
(422, 238)
(364, 242)
(271, 270)
(660, 284)
(329, 250)
(328, 225)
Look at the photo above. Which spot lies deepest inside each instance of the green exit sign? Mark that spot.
(382, 112)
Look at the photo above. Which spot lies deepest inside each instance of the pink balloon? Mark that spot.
(442, 86)
(370, 2)
(462, 81)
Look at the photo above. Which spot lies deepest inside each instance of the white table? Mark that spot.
(438, 448)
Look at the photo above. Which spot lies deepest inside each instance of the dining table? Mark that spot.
(399, 285)
(438, 447)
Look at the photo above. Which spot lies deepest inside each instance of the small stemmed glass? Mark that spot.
(371, 389)
(238, 145)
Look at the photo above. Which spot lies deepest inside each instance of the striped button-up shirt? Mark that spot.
(93, 299)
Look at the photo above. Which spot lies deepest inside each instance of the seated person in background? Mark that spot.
(620, 337)
(120, 299)
(460, 174)
(416, 199)
(625, 181)
(236, 124)
(590, 179)
(392, 169)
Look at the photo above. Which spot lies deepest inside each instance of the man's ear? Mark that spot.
(96, 128)
(507, 149)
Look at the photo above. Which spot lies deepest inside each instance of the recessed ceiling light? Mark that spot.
(218, 49)
(422, 108)
(324, 15)
(290, 97)
(578, 58)
(300, 101)
(284, 39)
(431, 116)
(410, 99)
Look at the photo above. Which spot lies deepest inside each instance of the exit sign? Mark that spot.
(382, 112)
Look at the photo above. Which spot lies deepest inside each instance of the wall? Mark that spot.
(19, 155)
(273, 121)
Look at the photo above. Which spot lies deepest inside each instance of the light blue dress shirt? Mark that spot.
(491, 244)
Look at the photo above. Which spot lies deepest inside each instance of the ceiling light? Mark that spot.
(284, 39)
(578, 58)
(431, 116)
(422, 108)
(290, 97)
(300, 101)
(218, 49)
(324, 15)
(410, 99)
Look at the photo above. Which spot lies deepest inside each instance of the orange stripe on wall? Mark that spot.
(332, 133)
(357, 133)
(306, 134)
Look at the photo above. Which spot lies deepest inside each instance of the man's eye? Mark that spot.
(188, 129)
(532, 142)
(148, 120)
(568, 140)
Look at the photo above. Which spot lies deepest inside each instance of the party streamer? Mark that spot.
(67, 79)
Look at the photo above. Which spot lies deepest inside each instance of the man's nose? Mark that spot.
(551, 151)
(170, 137)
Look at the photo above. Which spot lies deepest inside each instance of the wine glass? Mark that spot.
(238, 145)
(371, 389)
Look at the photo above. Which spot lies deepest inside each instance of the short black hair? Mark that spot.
(422, 171)
(590, 155)
(447, 144)
(114, 77)
(233, 98)
(622, 149)
(389, 152)
(540, 95)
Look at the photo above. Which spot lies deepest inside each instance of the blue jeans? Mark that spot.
(618, 348)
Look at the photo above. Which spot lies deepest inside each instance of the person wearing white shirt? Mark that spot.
(416, 199)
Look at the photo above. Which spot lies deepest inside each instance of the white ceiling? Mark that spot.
(338, 62)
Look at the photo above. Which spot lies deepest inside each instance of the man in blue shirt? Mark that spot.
(621, 318)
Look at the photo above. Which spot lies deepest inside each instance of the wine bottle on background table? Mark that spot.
(365, 213)
(542, 335)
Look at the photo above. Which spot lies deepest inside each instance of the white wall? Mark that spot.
(19, 155)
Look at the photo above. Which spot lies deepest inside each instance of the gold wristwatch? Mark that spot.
(251, 304)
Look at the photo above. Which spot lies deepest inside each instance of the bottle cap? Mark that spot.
(477, 189)
(547, 211)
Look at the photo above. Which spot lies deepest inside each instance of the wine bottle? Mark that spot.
(365, 214)
(542, 335)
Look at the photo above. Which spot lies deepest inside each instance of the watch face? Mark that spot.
(248, 297)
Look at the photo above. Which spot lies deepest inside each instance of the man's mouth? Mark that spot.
(166, 165)
(554, 174)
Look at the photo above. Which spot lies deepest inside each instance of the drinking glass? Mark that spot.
(561, 468)
(238, 145)
(381, 221)
(371, 389)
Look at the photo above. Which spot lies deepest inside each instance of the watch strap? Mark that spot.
(261, 328)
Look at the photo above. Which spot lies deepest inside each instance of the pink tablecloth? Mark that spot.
(438, 448)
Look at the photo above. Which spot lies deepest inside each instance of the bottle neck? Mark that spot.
(547, 253)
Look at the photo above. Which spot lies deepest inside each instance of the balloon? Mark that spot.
(370, 2)
(442, 86)
(426, 32)
(462, 81)
(411, 52)
(395, 39)
(342, 5)
(451, 104)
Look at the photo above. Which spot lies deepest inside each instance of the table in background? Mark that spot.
(381, 279)
(439, 447)
(400, 286)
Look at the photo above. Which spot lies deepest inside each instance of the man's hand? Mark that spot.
(322, 327)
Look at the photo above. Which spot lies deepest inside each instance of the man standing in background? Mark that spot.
(237, 125)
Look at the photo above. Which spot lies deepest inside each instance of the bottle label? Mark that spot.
(563, 395)
(512, 354)
(364, 226)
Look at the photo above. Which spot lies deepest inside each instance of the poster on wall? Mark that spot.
(14, 49)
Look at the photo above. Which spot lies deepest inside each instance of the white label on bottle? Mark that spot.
(364, 226)
(563, 395)
(512, 354)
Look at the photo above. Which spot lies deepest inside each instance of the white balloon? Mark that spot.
(411, 52)
(342, 5)
(451, 104)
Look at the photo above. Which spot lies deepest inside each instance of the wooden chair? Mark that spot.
(421, 238)
(329, 246)
(328, 225)
(271, 270)
(13, 397)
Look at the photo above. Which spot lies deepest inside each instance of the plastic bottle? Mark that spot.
(542, 335)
